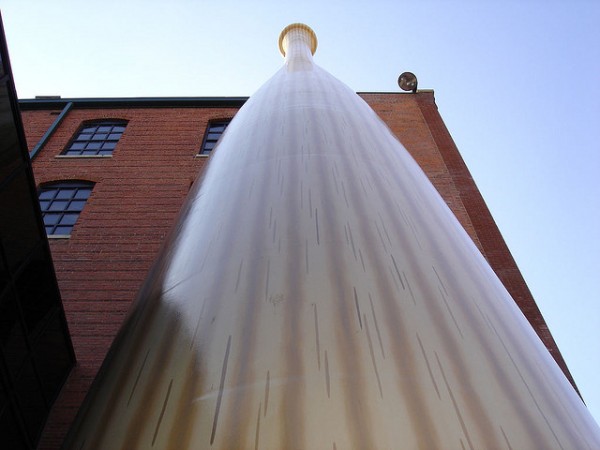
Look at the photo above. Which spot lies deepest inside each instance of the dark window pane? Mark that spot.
(51, 219)
(65, 194)
(95, 136)
(62, 230)
(83, 193)
(213, 134)
(109, 145)
(47, 194)
(58, 205)
(76, 205)
(61, 215)
(69, 219)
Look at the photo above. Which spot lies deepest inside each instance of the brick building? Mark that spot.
(125, 166)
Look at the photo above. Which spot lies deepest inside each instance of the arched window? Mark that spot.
(61, 204)
(214, 130)
(98, 138)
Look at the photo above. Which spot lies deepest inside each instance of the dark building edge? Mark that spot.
(28, 431)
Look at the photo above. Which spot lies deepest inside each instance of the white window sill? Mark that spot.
(82, 156)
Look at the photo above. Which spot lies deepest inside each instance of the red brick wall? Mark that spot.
(140, 189)
(402, 114)
(36, 123)
(136, 198)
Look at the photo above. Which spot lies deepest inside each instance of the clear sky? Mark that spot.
(517, 83)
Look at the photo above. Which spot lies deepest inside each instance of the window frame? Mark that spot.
(65, 205)
(213, 123)
(100, 139)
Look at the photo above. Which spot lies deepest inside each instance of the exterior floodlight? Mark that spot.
(408, 82)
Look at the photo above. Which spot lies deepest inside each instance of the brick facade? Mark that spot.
(140, 189)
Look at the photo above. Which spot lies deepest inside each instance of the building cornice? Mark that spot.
(129, 102)
(152, 102)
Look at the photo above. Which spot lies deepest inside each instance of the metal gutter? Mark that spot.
(50, 131)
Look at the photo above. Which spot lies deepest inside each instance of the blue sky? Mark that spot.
(517, 83)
